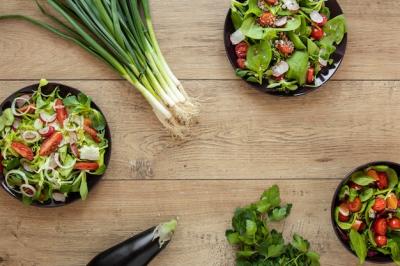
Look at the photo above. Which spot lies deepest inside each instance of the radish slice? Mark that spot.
(16, 123)
(57, 196)
(344, 211)
(316, 17)
(14, 109)
(38, 124)
(279, 69)
(22, 100)
(30, 136)
(291, 5)
(57, 160)
(47, 118)
(237, 37)
(28, 190)
(280, 22)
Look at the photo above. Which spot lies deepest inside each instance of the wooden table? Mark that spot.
(245, 141)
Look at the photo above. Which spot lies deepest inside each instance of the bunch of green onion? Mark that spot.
(120, 32)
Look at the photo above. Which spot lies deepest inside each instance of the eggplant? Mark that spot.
(138, 250)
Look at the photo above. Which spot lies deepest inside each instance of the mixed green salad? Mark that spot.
(285, 43)
(258, 245)
(367, 213)
(48, 145)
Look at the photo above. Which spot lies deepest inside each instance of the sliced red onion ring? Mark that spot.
(16, 123)
(280, 22)
(291, 5)
(14, 108)
(57, 196)
(15, 172)
(279, 69)
(22, 100)
(55, 125)
(46, 131)
(52, 162)
(47, 118)
(316, 17)
(30, 136)
(237, 37)
(73, 138)
(54, 174)
(38, 124)
(55, 107)
(59, 164)
(78, 121)
(28, 190)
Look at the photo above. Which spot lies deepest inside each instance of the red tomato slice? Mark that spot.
(92, 133)
(23, 150)
(60, 111)
(91, 166)
(317, 33)
(380, 227)
(51, 144)
(310, 75)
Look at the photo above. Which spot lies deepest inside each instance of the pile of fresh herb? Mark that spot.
(260, 246)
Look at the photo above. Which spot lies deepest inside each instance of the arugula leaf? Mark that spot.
(358, 244)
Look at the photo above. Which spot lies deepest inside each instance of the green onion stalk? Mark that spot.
(121, 33)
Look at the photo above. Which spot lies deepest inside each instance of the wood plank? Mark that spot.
(243, 133)
(117, 209)
(190, 34)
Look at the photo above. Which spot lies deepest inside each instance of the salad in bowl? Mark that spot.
(283, 45)
(51, 145)
(366, 212)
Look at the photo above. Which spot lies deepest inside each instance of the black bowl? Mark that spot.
(91, 179)
(379, 258)
(323, 76)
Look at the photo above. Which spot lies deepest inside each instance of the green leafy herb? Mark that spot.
(259, 246)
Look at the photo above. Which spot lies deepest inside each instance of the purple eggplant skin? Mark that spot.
(138, 250)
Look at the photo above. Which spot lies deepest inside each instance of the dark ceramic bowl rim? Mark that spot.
(324, 75)
(381, 259)
(92, 179)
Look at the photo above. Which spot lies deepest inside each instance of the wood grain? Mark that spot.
(245, 140)
(190, 34)
(245, 134)
(116, 209)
